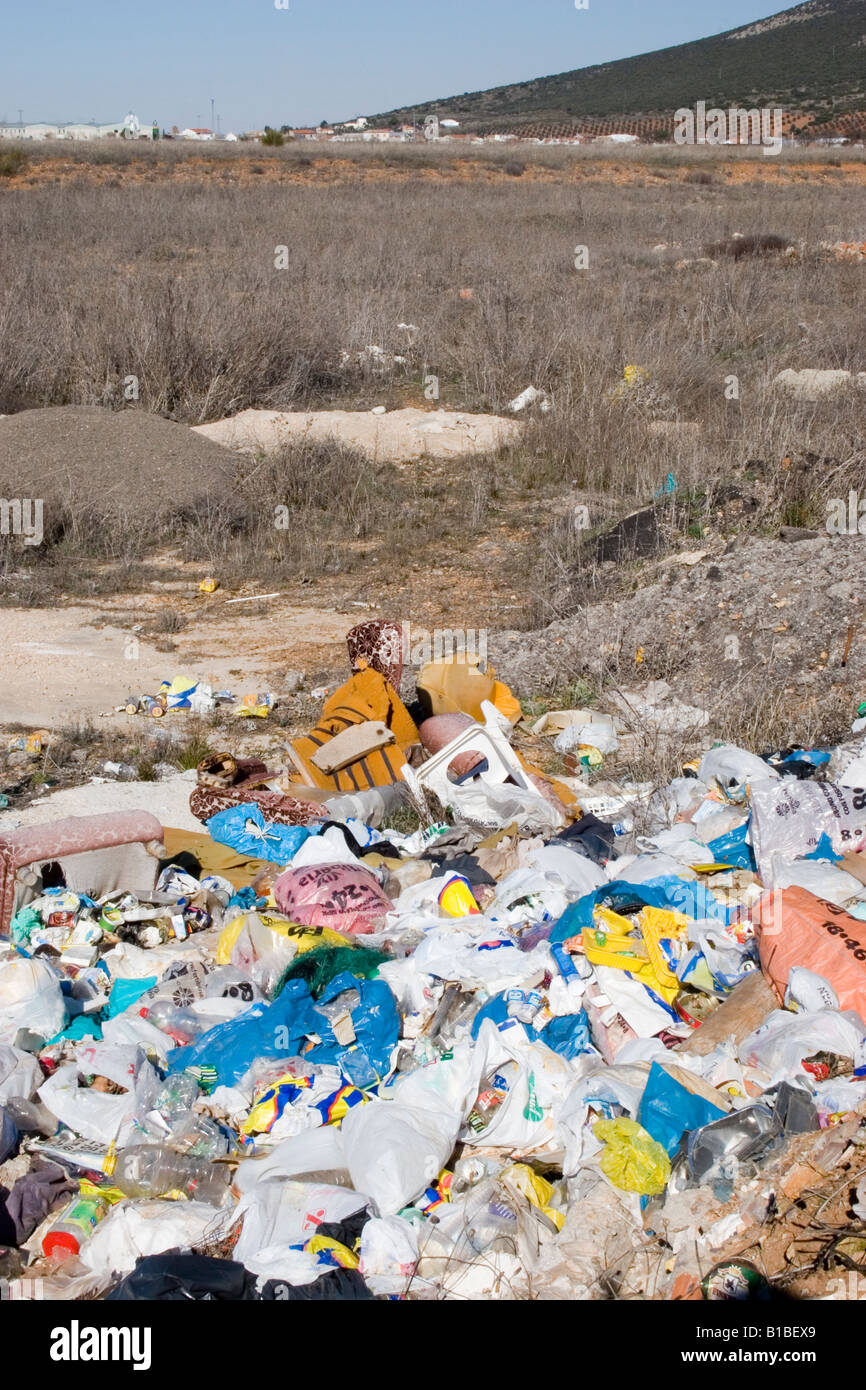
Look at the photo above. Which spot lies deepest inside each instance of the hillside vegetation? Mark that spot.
(811, 58)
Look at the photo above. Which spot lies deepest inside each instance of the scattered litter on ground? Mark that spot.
(408, 1017)
(531, 396)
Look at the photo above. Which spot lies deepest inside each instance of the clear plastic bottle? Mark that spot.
(176, 1097)
(151, 1170)
(181, 1024)
(195, 1136)
(492, 1219)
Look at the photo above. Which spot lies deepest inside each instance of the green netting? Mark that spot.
(320, 966)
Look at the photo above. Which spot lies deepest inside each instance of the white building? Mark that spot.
(130, 127)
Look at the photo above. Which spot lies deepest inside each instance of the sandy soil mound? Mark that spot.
(396, 437)
(128, 458)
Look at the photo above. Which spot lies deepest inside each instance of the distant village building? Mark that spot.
(129, 128)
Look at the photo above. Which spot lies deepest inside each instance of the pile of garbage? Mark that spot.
(184, 692)
(509, 1047)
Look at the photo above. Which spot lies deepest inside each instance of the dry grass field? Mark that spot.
(160, 265)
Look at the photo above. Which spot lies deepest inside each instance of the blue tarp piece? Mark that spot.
(668, 1111)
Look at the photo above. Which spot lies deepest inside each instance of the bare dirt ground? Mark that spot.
(246, 171)
(68, 663)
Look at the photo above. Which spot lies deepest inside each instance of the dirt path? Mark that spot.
(62, 664)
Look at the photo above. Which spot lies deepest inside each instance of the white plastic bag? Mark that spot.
(388, 1254)
(566, 868)
(493, 806)
(613, 1089)
(525, 1118)
(600, 733)
(782, 1041)
(732, 768)
(316, 1151)
(130, 1030)
(484, 956)
(396, 1145)
(286, 1213)
(30, 997)
(133, 1229)
(96, 1114)
(262, 954)
(807, 992)
(20, 1074)
(817, 876)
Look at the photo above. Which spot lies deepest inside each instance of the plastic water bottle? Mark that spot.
(492, 1223)
(181, 1024)
(152, 1170)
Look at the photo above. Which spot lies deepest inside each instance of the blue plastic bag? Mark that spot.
(668, 1111)
(124, 994)
(245, 829)
(567, 1035)
(733, 848)
(283, 1029)
(376, 1022)
(264, 1030)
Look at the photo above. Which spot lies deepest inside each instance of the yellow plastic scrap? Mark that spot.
(537, 1189)
(253, 707)
(612, 941)
(111, 1195)
(632, 1159)
(340, 1254)
(460, 686)
(633, 376)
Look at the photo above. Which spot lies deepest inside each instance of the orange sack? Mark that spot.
(796, 928)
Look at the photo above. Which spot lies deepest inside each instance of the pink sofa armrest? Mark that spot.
(62, 838)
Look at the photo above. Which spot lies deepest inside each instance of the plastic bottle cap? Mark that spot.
(60, 1243)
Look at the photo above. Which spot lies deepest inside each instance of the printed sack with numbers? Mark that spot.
(793, 926)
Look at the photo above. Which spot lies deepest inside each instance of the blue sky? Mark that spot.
(318, 59)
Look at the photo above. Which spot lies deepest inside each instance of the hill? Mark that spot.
(810, 59)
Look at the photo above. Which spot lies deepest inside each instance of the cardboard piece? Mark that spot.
(350, 745)
(745, 1008)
